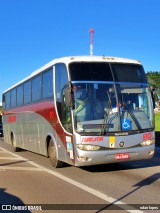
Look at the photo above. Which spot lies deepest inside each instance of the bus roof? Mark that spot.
(70, 59)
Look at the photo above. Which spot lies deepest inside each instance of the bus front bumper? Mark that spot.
(87, 158)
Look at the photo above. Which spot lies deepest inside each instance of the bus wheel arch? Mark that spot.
(13, 142)
(52, 153)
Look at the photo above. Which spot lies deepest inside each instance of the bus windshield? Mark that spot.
(108, 99)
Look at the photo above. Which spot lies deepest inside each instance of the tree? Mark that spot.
(154, 80)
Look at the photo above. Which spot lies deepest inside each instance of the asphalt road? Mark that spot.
(28, 181)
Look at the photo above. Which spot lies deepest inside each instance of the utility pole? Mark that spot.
(91, 31)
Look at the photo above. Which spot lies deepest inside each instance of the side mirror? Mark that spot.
(68, 94)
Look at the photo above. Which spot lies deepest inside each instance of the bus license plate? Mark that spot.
(122, 156)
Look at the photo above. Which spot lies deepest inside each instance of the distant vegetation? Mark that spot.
(154, 80)
(157, 121)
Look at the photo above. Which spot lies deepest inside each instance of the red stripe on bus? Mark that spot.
(12, 119)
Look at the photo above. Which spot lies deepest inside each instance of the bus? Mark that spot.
(82, 111)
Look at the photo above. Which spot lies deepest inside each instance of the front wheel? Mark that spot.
(53, 155)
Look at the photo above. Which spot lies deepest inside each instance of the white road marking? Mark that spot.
(88, 189)
(21, 168)
(9, 158)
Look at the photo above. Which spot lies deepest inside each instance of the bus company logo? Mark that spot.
(121, 144)
(92, 139)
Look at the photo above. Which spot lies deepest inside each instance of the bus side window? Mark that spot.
(8, 100)
(47, 84)
(27, 92)
(3, 101)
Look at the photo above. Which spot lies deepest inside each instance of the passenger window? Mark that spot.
(20, 95)
(36, 88)
(13, 98)
(27, 92)
(7, 100)
(47, 84)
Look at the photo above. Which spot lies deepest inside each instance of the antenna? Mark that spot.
(91, 31)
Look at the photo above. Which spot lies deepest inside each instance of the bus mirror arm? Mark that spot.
(69, 100)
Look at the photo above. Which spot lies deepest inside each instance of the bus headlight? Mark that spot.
(148, 142)
(88, 147)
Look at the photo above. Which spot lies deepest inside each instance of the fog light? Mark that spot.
(151, 152)
(83, 159)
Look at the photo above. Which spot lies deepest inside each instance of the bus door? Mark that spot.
(64, 112)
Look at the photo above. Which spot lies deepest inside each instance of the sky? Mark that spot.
(34, 32)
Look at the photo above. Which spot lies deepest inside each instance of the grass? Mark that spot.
(157, 121)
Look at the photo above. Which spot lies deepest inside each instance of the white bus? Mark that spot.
(82, 110)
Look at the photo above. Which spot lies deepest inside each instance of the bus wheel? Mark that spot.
(15, 148)
(53, 155)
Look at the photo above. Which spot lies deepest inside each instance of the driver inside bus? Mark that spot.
(119, 107)
(82, 104)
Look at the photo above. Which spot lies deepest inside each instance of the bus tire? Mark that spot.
(53, 155)
(13, 141)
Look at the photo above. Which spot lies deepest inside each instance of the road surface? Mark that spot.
(30, 183)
